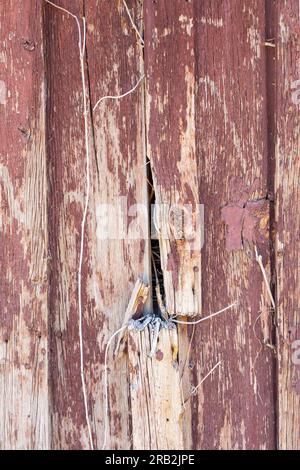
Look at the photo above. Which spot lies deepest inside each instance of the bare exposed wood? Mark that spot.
(24, 397)
(115, 65)
(136, 305)
(170, 110)
(155, 392)
(288, 220)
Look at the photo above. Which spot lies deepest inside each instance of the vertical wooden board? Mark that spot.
(66, 173)
(234, 408)
(170, 117)
(170, 108)
(120, 199)
(24, 418)
(112, 261)
(155, 391)
(287, 221)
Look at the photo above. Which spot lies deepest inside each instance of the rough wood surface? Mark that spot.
(235, 407)
(111, 263)
(24, 396)
(170, 108)
(120, 181)
(66, 173)
(170, 118)
(217, 116)
(288, 221)
(155, 392)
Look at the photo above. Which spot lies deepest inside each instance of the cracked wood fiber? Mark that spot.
(155, 392)
(288, 221)
(170, 109)
(120, 181)
(170, 120)
(235, 408)
(111, 265)
(24, 397)
(217, 117)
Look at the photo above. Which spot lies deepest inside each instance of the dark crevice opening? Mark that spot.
(156, 272)
(270, 37)
(156, 267)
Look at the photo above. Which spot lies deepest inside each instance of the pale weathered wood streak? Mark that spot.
(288, 221)
(24, 404)
(155, 392)
(112, 261)
(66, 173)
(120, 250)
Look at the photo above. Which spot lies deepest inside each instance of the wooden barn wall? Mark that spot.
(24, 285)
(215, 122)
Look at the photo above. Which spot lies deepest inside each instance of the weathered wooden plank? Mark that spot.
(234, 408)
(170, 110)
(113, 259)
(155, 391)
(24, 397)
(288, 220)
(170, 107)
(115, 60)
(210, 140)
(66, 173)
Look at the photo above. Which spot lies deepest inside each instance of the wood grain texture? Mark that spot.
(218, 117)
(115, 65)
(155, 392)
(287, 221)
(66, 173)
(170, 109)
(234, 408)
(112, 260)
(24, 397)
(170, 118)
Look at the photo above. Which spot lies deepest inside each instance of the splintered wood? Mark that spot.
(170, 114)
(136, 304)
(154, 389)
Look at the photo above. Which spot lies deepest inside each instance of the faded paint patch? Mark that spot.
(254, 40)
(3, 92)
(187, 24)
(217, 22)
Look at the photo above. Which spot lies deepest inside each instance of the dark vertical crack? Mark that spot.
(156, 272)
(157, 278)
(270, 32)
